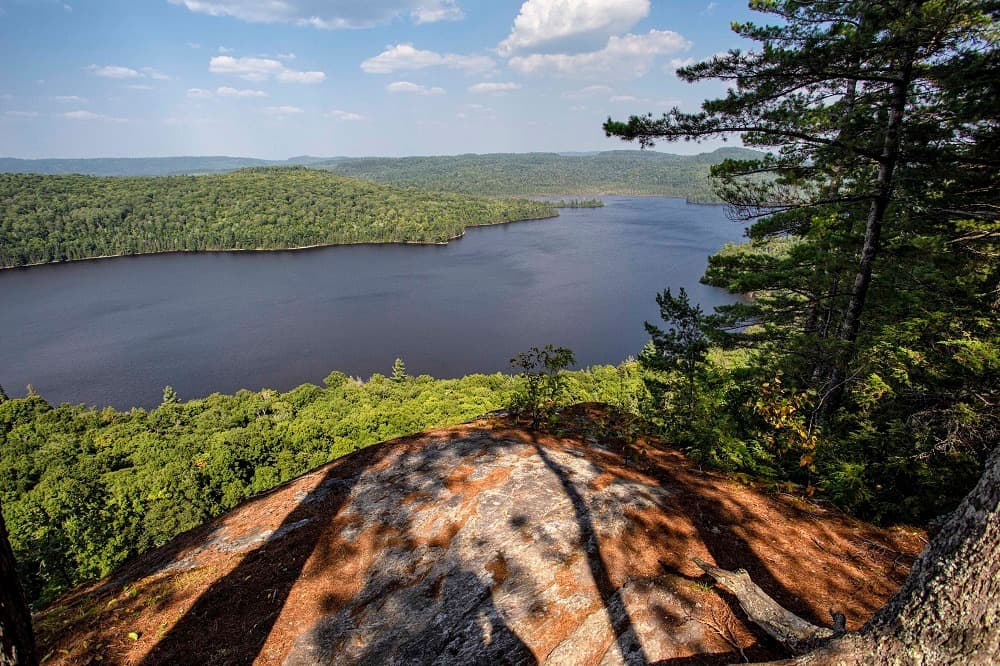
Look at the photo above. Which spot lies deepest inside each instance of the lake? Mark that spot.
(116, 331)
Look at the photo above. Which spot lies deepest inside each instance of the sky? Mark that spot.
(281, 78)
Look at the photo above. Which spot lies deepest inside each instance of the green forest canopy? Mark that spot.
(46, 218)
(84, 490)
(625, 172)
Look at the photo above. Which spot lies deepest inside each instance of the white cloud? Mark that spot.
(115, 72)
(199, 93)
(21, 114)
(328, 14)
(292, 76)
(261, 69)
(194, 45)
(155, 75)
(616, 99)
(446, 10)
(407, 87)
(710, 9)
(139, 86)
(489, 87)
(224, 49)
(346, 116)
(677, 63)
(401, 57)
(89, 115)
(120, 72)
(589, 91)
(543, 23)
(70, 99)
(625, 56)
(282, 111)
(226, 91)
(67, 7)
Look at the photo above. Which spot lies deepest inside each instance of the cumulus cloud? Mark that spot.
(292, 76)
(345, 116)
(261, 69)
(115, 72)
(627, 55)
(328, 14)
(401, 57)
(120, 72)
(543, 24)
(493, 88)
(226, 91)
(413, 88)
(282, 111)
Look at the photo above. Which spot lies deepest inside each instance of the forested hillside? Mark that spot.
(59, 218)
(84, 490)
(625, 172)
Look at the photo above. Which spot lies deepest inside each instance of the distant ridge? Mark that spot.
(622, 172)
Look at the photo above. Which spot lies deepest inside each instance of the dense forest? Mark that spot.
(59, 218)
(83, 490)
(625, 172)
(866, 358)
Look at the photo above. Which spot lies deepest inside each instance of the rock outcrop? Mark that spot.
(482, 544)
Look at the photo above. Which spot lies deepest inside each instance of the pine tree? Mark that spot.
(169, 396)
(873, 256)
(848, 96)
(681, 348)
(399, 371)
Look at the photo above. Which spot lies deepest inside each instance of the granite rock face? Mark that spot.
(496, 548)
(482, 544)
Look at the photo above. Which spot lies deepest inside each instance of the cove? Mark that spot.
(116, 331)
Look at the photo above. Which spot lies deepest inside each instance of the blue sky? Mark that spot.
(277, 78)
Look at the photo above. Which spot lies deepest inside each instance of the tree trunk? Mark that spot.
(873, 233)
(17, 642)
(947, 613)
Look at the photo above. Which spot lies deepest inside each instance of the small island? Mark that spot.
(576, 203)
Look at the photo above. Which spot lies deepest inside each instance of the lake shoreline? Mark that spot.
(261, 250)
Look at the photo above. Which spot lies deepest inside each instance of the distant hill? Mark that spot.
(134, 166)
(626, 172)
(50, 218)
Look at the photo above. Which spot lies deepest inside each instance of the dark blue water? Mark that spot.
(114, 332)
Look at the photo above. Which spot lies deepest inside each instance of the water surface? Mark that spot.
(116, 331)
